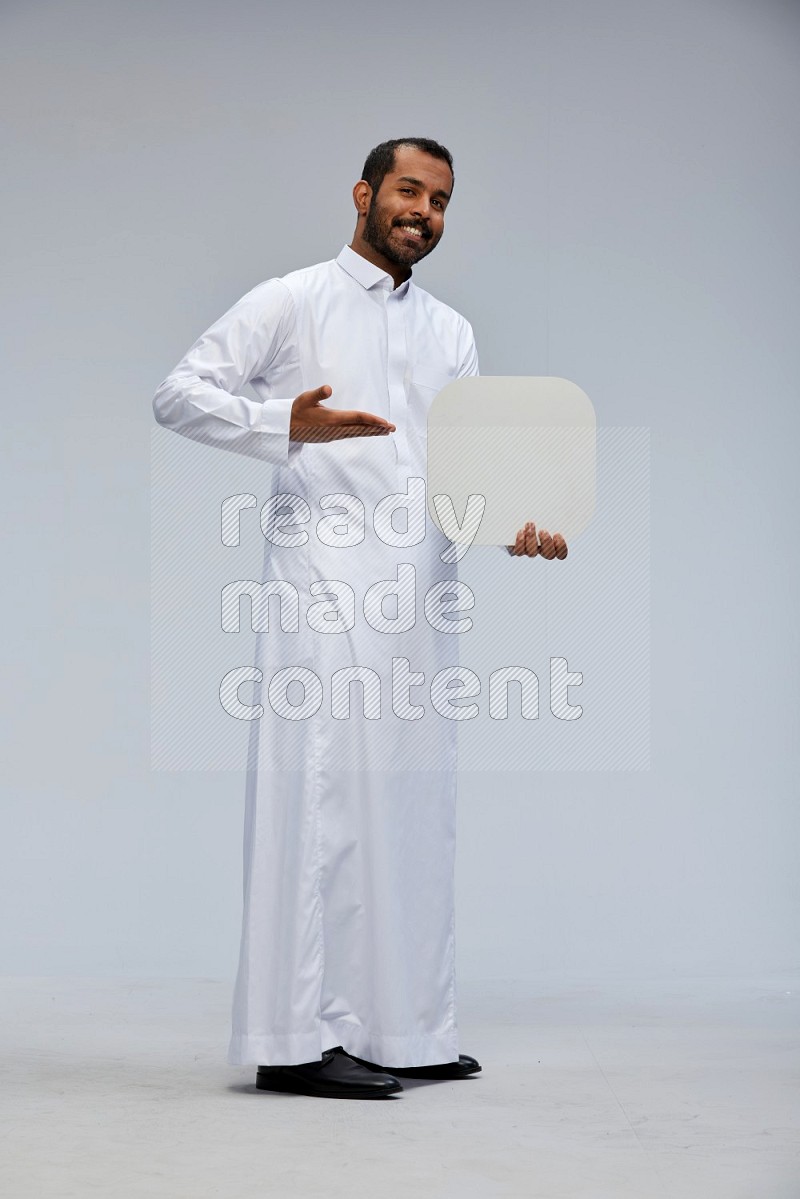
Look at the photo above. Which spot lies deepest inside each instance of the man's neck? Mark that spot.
(399, 273)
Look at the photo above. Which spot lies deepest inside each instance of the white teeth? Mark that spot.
(412, 230)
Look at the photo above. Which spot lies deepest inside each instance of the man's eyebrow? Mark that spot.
(419, 183)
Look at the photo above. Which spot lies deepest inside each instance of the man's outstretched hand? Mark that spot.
(527, 546)
(311, 422)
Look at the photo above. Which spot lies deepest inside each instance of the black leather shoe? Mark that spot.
(464, 1066)
(335, 1076)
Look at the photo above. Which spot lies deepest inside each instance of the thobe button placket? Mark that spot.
(395, 365)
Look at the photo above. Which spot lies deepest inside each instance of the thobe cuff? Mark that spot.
(276, 416)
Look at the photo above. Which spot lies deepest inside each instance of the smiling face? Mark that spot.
(404, 221)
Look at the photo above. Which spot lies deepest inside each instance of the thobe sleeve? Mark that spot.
(199, 397)
(468, 352)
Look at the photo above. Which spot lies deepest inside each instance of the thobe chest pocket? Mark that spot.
(425, 382)
(426, 376)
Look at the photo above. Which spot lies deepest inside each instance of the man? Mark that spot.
(346, 974)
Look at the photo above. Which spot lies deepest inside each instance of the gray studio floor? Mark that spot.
(686, 1089)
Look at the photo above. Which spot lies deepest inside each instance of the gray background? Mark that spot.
(625, 215)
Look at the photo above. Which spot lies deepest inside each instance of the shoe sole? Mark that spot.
(409, 1073)
(289, 1086)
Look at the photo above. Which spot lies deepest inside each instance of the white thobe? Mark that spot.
(348, 934)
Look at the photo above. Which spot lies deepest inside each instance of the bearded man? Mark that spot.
(346, 978)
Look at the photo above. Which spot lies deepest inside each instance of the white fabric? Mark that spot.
(349, 841)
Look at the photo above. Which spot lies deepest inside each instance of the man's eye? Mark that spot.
(439, 202)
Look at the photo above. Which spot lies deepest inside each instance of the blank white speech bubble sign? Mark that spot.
(527, 444)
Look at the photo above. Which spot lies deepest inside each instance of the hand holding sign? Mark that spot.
(526, 544)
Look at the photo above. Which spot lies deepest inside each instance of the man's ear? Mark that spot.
(362, 195)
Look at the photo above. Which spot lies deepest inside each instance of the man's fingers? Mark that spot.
(344, 429)
(546, 547)
(531, 544)
(359, 418)
(309, 400)
(334, 432)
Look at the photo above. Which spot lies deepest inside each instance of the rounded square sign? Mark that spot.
(525, 444)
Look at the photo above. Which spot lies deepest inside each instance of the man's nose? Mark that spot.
(422, 208)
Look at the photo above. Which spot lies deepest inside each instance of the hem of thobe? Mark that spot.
(422, 1049)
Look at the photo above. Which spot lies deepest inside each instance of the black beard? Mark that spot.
(375, 234)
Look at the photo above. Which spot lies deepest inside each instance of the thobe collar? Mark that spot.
(367, 273)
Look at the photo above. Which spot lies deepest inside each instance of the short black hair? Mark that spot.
(381, 160)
